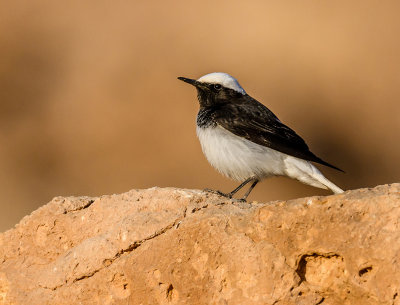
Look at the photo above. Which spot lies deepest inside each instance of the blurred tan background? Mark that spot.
(90, 103)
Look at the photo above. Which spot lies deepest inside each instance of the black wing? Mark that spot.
(248, 118)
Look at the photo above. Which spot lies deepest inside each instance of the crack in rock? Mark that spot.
(132, 247)
(88, 204)
(137, 244)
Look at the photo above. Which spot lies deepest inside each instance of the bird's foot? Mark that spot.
(241, 200)
(228, 195)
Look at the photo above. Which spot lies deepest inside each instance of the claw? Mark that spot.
(241, 200)
(218, 193)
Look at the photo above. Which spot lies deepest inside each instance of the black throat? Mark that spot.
(212, 100)
(205, 117)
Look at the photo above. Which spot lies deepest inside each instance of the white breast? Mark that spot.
(238, 158)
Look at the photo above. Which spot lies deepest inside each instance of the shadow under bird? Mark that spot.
(246, 142)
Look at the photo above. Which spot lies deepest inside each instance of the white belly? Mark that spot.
(238, 158)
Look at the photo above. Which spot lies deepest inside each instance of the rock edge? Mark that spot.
(176, 246)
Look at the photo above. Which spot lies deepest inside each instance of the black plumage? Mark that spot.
(246, 117)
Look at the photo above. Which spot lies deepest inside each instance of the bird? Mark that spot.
(245, 141)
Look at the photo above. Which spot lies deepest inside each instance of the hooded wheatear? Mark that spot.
(245, 141)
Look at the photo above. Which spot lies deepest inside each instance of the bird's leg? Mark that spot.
(230, 195)
(249, 190)
(240, 186)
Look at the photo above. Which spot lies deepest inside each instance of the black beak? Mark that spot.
(189, 81)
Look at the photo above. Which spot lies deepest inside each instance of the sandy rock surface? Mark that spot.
(174, 246)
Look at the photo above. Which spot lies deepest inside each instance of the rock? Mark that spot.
(173, 246)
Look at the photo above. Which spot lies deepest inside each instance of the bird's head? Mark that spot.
(215, 88)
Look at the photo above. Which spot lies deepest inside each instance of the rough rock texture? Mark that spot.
(171, 246)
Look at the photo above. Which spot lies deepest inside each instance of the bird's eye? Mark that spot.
(217, 86)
